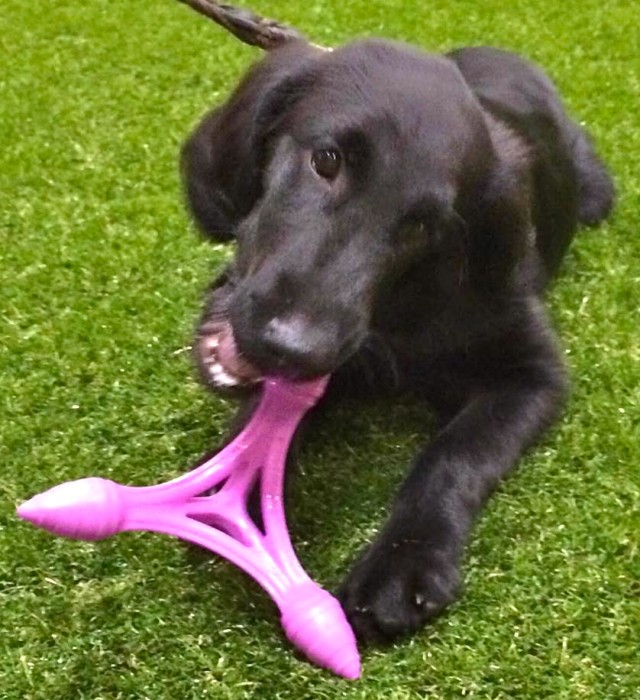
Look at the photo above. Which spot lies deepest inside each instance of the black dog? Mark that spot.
(397, 215)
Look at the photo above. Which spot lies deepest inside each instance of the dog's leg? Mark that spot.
(410, 573)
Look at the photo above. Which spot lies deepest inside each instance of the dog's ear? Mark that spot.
(500, 230)
(222, 160)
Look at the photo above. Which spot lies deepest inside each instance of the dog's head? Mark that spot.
(340, 174)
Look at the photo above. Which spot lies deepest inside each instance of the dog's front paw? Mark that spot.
(396, 586)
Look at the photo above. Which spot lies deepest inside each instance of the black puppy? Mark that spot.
(397, 215)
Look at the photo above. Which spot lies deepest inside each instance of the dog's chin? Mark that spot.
(221, 364)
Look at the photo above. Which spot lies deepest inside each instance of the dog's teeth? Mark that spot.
(220, 376)
(208, 347)
(211, 342)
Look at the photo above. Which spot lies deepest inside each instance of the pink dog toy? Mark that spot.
(95, 508)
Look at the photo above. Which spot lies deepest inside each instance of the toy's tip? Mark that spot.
(351, 669)
(30, 510)
(89, 509)
(315, 622)
(346, 663)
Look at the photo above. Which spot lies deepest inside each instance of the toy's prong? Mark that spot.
(314, 621)
(200, 479)
(86, 509)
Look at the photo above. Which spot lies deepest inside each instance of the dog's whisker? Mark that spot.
(182, 350)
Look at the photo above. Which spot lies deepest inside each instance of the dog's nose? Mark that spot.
(294, 343)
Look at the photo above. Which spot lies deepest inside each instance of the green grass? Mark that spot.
(101, 278)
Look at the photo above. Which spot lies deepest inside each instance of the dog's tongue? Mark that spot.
(231, 360)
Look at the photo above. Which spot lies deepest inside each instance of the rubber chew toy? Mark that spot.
(96, 508)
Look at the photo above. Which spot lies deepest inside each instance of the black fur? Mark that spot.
(421, 266)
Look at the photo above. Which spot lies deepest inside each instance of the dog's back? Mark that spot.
(570, 181)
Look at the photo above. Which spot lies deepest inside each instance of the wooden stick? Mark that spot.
(250, 28)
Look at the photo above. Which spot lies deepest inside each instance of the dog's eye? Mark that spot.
(326, 162)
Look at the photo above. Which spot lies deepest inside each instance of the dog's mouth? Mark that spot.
(219, 359)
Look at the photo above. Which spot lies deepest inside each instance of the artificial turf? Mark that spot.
(101, 277)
